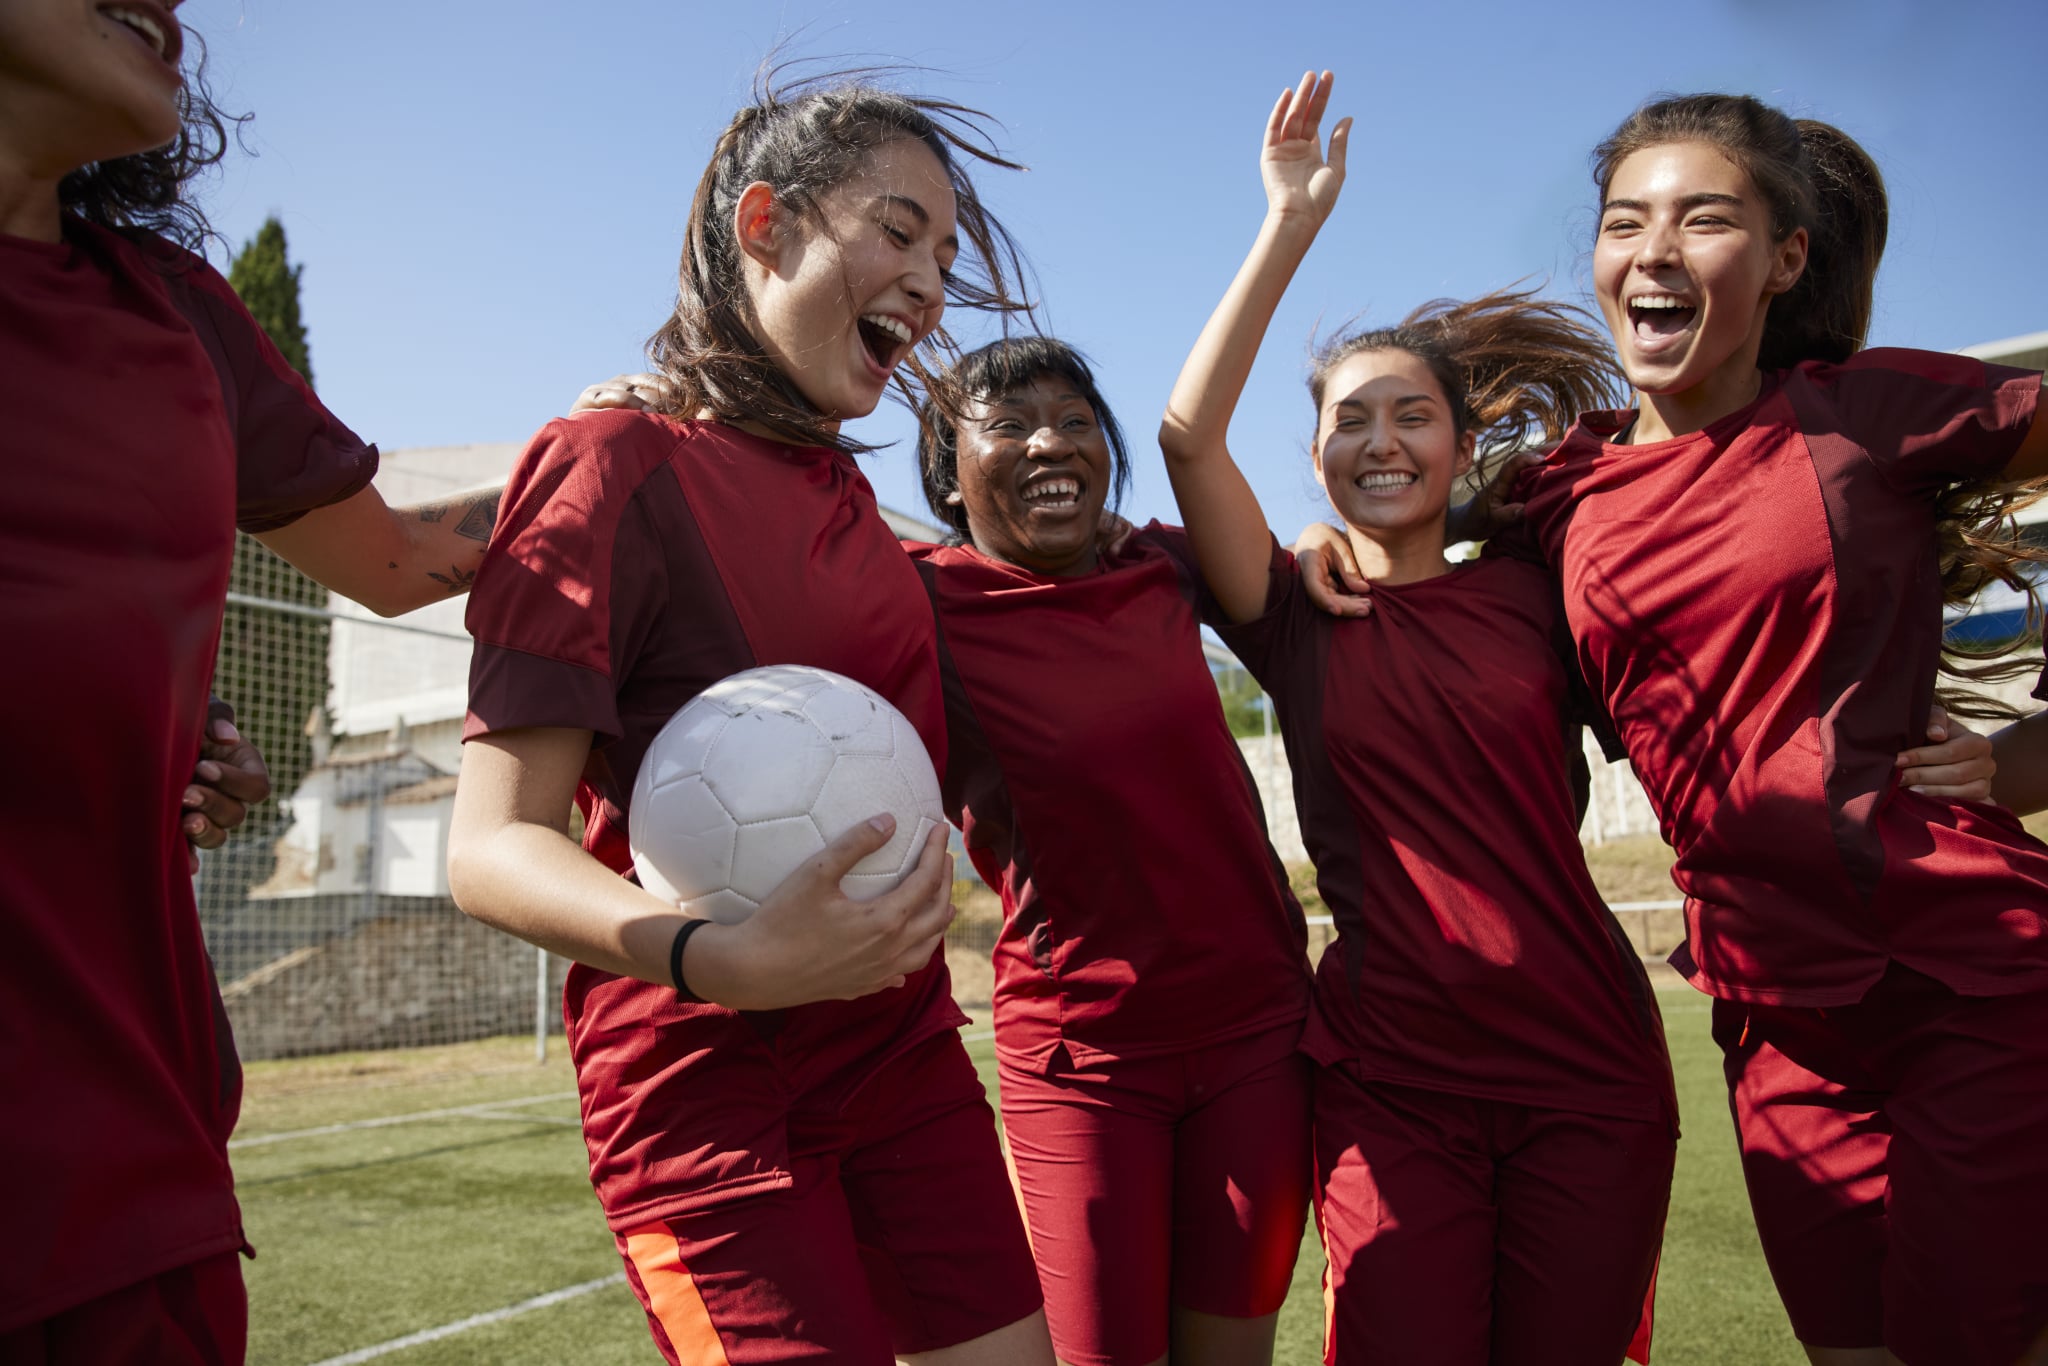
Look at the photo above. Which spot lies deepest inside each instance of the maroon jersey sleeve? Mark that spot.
(1268, 643)
(1174, 541)
(551, 611)
(291, 454)
(1926, 418)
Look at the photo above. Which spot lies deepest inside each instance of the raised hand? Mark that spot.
(1301, 180)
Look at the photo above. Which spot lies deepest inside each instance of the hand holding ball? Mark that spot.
(757, 772)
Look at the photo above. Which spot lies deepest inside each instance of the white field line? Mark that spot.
(481, 1110)
(449, 1330)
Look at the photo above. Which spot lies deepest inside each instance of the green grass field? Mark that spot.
(370, 1234)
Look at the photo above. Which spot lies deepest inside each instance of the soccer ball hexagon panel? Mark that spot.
(756, 773)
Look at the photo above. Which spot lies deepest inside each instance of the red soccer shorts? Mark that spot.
(1896, 1152)
(903, 1237)
(196, 1315)
(1173, 1181)
(1465, 1232)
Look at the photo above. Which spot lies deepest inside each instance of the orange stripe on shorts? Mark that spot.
(673, 1298)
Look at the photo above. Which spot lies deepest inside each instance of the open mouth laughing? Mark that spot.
(1655, 318)
(1052, 493)
(151, 25)
(887, 338)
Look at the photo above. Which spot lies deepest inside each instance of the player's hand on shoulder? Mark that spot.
(1329, 572)
(1112, 533)
(635, 393)
(809, 941)
(1956, 763)
(229, 778)
(1491, 510)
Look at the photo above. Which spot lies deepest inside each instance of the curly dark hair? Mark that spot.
(146, 192)
(804, 136)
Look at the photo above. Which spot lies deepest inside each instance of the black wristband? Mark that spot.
(675, 961)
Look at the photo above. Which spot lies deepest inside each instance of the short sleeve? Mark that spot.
(1173, 543)
(292, 455)
(1926, 418)
(1270, 642)
(573, 574)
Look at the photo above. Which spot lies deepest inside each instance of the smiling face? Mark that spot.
(841, 297)
(1387, 446)
(1035, 469)
(1685, 268)
(82, 81)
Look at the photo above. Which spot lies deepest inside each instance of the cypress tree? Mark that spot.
(272, 666)
(268, 282)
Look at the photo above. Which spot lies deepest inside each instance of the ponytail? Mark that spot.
(1516, 369)
(1811, 175)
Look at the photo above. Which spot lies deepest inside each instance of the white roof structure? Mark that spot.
(2029, 352)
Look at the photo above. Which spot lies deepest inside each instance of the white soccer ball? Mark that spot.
(757, 772)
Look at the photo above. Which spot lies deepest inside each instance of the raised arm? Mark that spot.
(1225, 524)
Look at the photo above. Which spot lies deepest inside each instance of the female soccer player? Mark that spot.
(1494, 1117)
(1150, 975)
(785, 1132)
(147, 417)
(1753, 567)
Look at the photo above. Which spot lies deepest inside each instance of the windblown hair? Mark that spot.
(990, 372)
(146, 192)
(803, 137)
(1814, 176)
(1516, 369)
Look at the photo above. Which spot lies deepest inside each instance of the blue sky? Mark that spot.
(489, 199)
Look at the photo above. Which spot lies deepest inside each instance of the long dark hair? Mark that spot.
(988, 372)
(803, 137)
(1812, 175)
(146, 192)
(1516, 369)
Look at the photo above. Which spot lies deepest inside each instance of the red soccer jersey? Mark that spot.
(1758, 607)
(1103, 797)
(637, 561)
(1432, 747)
(146, 415)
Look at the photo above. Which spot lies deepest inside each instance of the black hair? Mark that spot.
(989, 372)
(147, 192)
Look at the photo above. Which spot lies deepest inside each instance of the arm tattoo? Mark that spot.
(433, 512)
(480, 517)
(456, 580)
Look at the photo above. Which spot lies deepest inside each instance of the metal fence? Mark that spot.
(327, 915)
